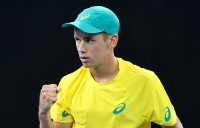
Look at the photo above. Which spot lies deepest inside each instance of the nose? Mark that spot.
(81, 47)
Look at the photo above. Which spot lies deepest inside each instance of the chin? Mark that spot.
(87, 66)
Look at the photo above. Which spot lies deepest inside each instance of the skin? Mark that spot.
(96, 52)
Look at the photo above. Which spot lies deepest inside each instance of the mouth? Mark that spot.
(84, 59)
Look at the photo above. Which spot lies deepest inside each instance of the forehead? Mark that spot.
(79, 33)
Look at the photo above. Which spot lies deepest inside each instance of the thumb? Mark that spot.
(58, 89)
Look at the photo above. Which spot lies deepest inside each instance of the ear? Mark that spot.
(114, 40)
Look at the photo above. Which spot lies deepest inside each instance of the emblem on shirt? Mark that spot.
(120, 108)
(64, 114)
(167, 114)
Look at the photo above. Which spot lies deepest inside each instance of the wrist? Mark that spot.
(43, 109)
(43, 115)
(43, 112)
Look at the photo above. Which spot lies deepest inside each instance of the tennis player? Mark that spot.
(106, 91)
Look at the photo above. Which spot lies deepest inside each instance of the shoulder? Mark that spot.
(146, 78)
(74, 76)
(133, 69)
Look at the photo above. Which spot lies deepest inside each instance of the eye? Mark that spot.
(77, 40)
(89, 40)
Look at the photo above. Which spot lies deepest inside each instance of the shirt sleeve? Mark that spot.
(60, 110)
(157, 107)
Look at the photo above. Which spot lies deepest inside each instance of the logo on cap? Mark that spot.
(167, 114)
(85, 17)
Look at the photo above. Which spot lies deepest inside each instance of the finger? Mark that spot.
(52, 94)
(53, 99)
(49, 98)
(58, 89)
(49, 88)
(53, 85)
(45, 99)
(49, 95)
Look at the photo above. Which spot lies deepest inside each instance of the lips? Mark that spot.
(83, 58)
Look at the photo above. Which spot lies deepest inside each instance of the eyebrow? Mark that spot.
(86, 37)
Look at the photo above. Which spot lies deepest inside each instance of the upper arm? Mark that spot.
(62, 125)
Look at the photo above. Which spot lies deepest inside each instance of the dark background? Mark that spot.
(160, 35)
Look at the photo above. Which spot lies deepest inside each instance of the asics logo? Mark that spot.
(64, 114)
(85, 17)
(167, 114)
(120, 108)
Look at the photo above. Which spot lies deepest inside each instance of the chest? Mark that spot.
(106, 106)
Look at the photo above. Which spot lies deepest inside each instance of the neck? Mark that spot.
(106, 71)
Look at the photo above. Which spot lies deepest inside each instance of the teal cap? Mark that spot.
(96, 19)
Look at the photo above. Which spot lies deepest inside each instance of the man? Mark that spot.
(107, 91)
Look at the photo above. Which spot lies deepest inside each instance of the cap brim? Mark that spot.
(83, 27)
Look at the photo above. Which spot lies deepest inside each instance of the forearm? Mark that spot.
(44, 120)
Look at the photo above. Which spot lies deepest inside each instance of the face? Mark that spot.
(93, 49)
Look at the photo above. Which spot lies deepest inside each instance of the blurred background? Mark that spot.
(160, 35)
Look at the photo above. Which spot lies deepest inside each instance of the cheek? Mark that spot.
(95, 52)
(98, 52)
(77, 45)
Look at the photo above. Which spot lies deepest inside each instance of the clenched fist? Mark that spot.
(48, 95)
